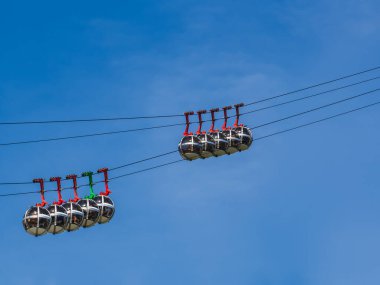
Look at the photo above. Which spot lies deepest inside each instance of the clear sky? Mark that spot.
(299, 208)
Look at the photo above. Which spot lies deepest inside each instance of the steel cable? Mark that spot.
(180, 115)
(179, 124)
(177, 161)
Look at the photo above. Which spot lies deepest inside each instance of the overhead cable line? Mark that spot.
(89, 120)
(19, 193)
(313, 86)
(180, 115)
(143, 160)
(318, 121)
(177, 161)
(310, 96)
(255, 127)
(96, 173)
(182, 124)
(315, 109)
(97, 182)
(90, 135)
(146, 169)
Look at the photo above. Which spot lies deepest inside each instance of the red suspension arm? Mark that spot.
(59, 189)
(199, 131)
(42, 191)
(187, 114)
(75, 187)
(224, 127)
(105, 172)
(237, 107)
(212, 128)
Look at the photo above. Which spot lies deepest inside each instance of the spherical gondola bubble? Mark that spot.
(91, 212)
(106, 207)
(36, 221)
(190, 147)
(75, 216)
(245, 136)
(221, 143)
(233, 141)
(59, 219)
(207, 144)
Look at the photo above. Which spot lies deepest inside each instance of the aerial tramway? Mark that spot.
(85, 212)
(71, 215)
(214, 143)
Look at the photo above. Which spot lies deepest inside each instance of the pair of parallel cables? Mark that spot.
(172, 125)
(176, 115)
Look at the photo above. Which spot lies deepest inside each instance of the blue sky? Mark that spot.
(299, 208)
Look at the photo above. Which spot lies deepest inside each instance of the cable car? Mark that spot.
(91, 212)
(245, 136)
(190, 146)
(243, 132)
(106, 208)
(232, 140)
(36, 221)
(231, 136)
(75, 216)
(59, 219)
(221, 143)
(74, 211)
(105, 203)
(58, 214)
(90, 208)
(208, 145)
